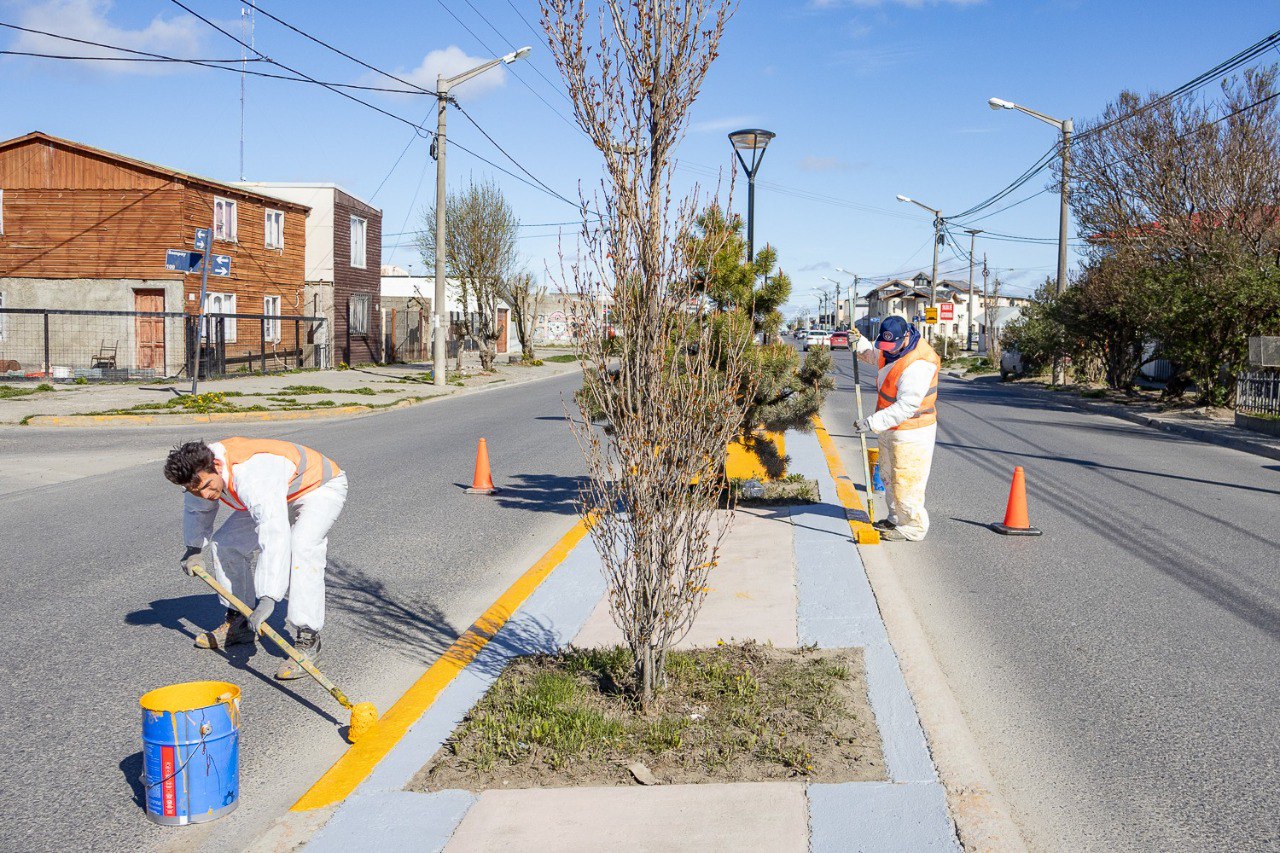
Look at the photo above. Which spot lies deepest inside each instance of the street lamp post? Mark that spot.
(439, 355)
(837, 287)
(938, 220)
(753, 141)
(1066, 127)
(853, 297)
(973, 236)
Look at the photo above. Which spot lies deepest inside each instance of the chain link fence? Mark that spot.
(117, 346)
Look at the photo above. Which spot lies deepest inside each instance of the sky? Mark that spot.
(868, 98)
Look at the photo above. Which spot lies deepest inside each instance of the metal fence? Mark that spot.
(1258, 392)
(113, 346)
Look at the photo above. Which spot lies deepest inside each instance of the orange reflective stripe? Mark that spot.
(927, 413)
(314, 469)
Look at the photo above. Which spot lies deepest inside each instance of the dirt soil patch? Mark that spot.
(733, 713)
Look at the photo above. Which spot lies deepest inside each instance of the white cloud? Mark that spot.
(722, 125)
(813, 163)
(450, 61)
(180, 35)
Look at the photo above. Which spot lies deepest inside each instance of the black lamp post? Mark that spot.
(753, 142)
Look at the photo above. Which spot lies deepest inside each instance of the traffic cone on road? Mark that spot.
(1015, 514)
(482, 482)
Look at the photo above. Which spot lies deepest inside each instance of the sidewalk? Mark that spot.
(788, 575)
(1191, 423)
(284, 396)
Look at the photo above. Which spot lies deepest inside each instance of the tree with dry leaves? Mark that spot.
(481, 253)
(522, 292)
(654, 367)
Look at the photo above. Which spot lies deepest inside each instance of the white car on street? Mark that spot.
(817, 338)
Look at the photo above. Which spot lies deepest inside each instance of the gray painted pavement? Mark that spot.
(1120, 672)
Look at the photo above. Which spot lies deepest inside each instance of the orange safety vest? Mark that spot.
(314, 469)
(928, 413)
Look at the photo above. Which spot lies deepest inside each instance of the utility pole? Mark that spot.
(247, 22)
(986, 305)
(1068, 127)
(439, 355)
(933, 279)
(973, 235)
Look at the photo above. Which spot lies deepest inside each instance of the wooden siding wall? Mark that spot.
(71, 214)
(349, 280)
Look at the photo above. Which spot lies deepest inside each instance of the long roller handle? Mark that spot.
(862, 437)
(268, 631)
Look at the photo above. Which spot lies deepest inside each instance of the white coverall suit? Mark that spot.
(906, 455)
(291, 559)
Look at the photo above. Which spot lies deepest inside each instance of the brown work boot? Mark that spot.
(308, 643)
(233, 631)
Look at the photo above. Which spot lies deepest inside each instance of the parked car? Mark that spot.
(817, 338)
(1011, 364)
(839, 340)
(801, 334)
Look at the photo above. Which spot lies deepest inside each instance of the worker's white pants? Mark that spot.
(311, 516)
(905, 458)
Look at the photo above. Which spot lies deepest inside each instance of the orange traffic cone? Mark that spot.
(482, 482)
(1015, 515)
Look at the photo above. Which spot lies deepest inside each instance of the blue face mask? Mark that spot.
(909, 343)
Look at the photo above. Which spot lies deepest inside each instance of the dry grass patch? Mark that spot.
(734, 713)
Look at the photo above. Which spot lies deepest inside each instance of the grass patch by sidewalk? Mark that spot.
(8, 392)
(560, 359)
(734, 713)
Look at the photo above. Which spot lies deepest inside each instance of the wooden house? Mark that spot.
(89, 230)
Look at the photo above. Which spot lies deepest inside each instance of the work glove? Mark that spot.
(261, 613)
(862, 427)
(191, 558)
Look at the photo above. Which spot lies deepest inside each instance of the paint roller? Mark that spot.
(363, 714)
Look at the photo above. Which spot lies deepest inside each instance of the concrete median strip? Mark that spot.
(831, 605)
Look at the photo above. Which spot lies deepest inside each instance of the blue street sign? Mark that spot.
(221, 265)
(202, 239)
(180, 260)
(177, 260)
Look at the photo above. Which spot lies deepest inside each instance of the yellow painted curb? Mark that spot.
(863, 532)
(358, 762)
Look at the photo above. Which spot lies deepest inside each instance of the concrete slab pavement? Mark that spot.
(800, 562)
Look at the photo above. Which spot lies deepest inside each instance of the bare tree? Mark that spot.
(480, 253)
(655, 367)
(525, 298)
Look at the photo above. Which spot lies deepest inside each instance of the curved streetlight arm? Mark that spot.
(447, 83)
(937, 214)
(1000, 104)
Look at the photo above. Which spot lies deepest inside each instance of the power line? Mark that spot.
(514, 73)
(343, 53)
(333, 89)
(117, 58)
(517, 163)
(1226, 66)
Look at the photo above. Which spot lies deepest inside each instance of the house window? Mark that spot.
(4, 320)
(358, 314)
(274, 230)
(224, 219)
(359, 230)
(220, 303)
(271, 307)
(1, 211)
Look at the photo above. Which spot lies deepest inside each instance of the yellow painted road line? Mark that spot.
(863, 532)
(358, 761)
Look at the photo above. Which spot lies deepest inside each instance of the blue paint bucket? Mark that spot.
(877, 485)
(191, 751)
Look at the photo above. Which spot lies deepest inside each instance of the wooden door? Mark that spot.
(149, 330)
(502, 330)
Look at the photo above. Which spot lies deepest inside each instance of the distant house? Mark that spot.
(88, 230)
(411, 294)
(344, 261)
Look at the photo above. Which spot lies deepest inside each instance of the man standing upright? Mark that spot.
(283, 497)
(905, 421)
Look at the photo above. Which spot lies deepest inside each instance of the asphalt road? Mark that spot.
(96, 611)
(1121, 673)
